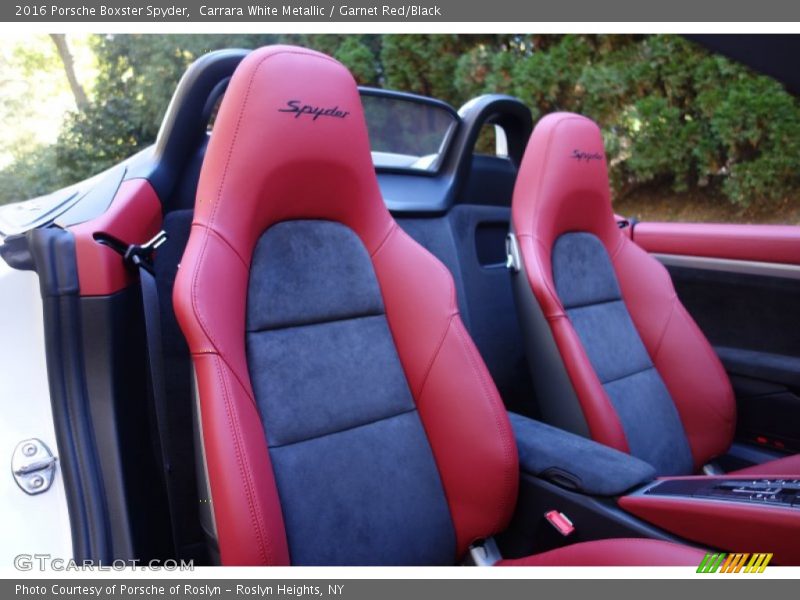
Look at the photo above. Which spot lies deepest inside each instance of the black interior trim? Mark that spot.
(53, 256)
(547, 368)
(752, 321)
(113, 346)
(593, 518)
(184, 127)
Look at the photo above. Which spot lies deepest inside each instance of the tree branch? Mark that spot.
(60, 40)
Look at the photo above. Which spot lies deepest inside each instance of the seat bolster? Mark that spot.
(246, 506)
(622, 552)
(601, 418)
(690, 369)
(788, 466)
(464, 418)
(212, 317)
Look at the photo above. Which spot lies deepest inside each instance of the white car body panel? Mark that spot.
(40, 523)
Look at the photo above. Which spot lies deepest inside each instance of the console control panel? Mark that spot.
(776, 492)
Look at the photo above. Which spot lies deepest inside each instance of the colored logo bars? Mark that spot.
(734, 563)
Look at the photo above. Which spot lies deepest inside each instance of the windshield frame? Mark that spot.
(447, 140)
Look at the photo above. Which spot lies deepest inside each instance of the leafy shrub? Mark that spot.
(672, 114)
(33, 173)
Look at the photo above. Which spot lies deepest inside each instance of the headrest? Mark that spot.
(562, 184)
(289, 142)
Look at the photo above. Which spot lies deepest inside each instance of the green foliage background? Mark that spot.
(673, 115)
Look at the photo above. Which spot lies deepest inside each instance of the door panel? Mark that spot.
(741, 283)
(759, 243)
(768, 397)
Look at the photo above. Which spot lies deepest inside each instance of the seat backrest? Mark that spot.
(645, 378)
(347, 417)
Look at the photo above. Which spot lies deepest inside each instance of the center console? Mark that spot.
(730, 513)
(770, 492)
(606, 494)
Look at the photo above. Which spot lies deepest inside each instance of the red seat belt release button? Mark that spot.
(560, 521)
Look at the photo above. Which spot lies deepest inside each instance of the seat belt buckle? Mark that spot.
(141, 255)
(627, 222)
(560, 522)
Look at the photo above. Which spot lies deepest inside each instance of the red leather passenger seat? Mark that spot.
(616, 355)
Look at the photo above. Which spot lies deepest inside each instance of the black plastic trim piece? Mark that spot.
(508, 112)
(594, 519)
(52, 253)
(15, 251)
(113, 344)
(548, 372)
(185, 123)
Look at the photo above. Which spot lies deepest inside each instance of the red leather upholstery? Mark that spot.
(762, 243)
(133, 217)
(460, 408)
(615, 552)
(563, 187)
(782, 467)
(264, 166)
(734, 526)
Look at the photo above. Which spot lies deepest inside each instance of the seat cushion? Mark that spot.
(623, 552)
(782, 467)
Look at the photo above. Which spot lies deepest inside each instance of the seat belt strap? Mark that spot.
(140, 257)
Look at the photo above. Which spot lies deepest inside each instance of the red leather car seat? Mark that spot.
(615, 354)
(346, 415)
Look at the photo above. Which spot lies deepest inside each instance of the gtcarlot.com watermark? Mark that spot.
(47, 562)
